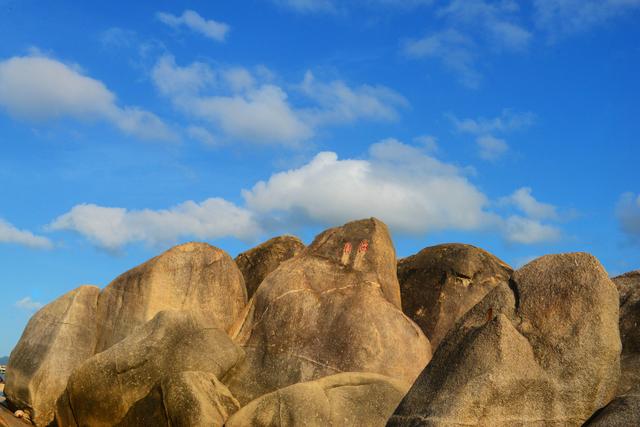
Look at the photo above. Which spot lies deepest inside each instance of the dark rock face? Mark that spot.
(195, 276)
(441, 283)
(544, 349)
(347, 399)
(333, 308)
(629, 288)
(58, 338)
(256, 263)
(113, 387)
(623, 411)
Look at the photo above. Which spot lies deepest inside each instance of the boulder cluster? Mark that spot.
(337, 333)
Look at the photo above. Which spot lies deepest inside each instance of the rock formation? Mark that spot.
(195, 276)
(333, 308)
(441, 283)
(106, 388)
(256, 263)
(56, 340)
(347, 399)
(629, 288)
(543, 350)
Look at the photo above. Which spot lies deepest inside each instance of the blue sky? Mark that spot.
(127, 128)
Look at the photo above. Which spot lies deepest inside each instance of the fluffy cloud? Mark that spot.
(628, 215)
(11, 234)
(249, 106)
(518, 229)
(38, 88)
(27, 303)
(523, 200)
(332, 6)
(411, 191)
(112, 228)
(191, 19)
(559, 17)
(403, 185)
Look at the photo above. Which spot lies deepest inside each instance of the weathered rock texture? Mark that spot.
(256, 263)
(441, 283)
(333, 308)
(110, 388)
(542, 351)
(195, 276)
(57, 339)
(347, 399)
(629, 288)
(623, 411)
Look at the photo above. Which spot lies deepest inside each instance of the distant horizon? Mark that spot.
(127, 128)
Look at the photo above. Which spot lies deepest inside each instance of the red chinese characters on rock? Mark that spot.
(364, 246)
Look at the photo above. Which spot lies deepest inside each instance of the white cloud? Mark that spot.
(11, 234)
(507, 121)
(333, 6)
(38, 88)
(27, 303)
(307, 6)
(490, 147)
(112, 228)
(559, 17)
(191, 19)
(250, 107)
(171, 79)
(337, 102)
(628, 215)
(525, 202)
(428, 142)
(518, 229)
(261, 115)
(409, 190)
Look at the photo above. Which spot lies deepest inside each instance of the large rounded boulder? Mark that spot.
(347, 399)
(58, 338)
(541, 350)
(333, 308)
(256, 263)
(194, 276)
(110, 388)
(441, 283)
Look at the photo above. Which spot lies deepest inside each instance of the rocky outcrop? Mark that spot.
(256, 263)
(441, 283)
(623, 411)
(115, 387)
(347, 399)
(56, 340)
(629, 288)
(543, 350)
(195, 276)
(333, 308)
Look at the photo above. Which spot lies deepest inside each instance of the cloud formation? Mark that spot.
(39, 89)
(249, 106)
(11, 234)
(403, 185)
(192, 20)
(111, 228)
